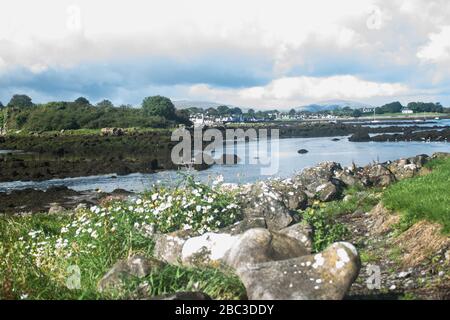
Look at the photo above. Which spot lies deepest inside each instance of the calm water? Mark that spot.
(284, 157)
(405, 123)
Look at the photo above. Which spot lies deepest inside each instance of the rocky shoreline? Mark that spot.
(51, 156)
(270, 249)
(53, 200)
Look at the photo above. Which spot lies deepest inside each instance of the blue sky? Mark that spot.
(262, 54)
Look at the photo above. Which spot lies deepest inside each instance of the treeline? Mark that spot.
(155, 112)
(396, 107)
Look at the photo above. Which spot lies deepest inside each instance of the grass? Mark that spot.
(424, 197)
(38, 251)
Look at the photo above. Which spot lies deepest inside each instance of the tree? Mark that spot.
(292, 112)
(20, 101)
(236, 111)
(356, 113)
(159, 106)
(212, 112)
(251, 111)
(182, 116)
(393, 107)
(82, 101)
(1, 105)
(105, 104)
(223, 110)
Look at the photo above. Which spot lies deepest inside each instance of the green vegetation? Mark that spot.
(37, 250)
(326, 230)
(156, 112)
(323, 216)
(424, 197)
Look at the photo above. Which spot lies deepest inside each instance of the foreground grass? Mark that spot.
(38, 252)
(425, 197)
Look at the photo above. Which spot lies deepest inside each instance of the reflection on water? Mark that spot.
(285, 157)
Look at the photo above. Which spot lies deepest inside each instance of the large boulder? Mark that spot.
(262, 245)
(327, 275)
(123, 270)
(262, 201)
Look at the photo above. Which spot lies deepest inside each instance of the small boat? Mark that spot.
(437, 118)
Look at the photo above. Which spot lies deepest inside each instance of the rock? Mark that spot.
(244, 225)
(348, 178)
(183, 296)
(168, 247)
(328, 192)
(377, 175)
(302, 232)
(292, 194)
(313, 177)
(407, 168)
(440, 155)
(262, 201)
(135, 266)
(326, 275)
(262, 245)
(335, 139)
(302, 151)
(56, 209)
(419, 160)
(208, 249)
(360, 136)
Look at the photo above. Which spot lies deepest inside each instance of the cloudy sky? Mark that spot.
(256, 53)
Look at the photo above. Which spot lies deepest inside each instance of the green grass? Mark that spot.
(424, 197)
(36, 251)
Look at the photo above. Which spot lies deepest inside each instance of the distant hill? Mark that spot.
(316, 107)
(333, 105)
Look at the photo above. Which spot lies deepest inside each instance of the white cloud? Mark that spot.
(291, 91)
(438, 47)
(320, 49)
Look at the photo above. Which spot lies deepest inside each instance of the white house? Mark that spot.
(407, 111)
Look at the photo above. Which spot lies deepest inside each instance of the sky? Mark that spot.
(249, 53)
